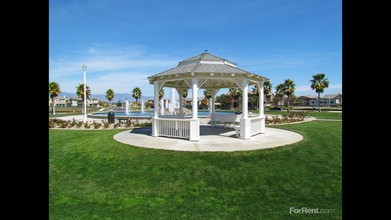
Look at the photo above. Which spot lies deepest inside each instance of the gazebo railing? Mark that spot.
(170, 127)
(256, 125)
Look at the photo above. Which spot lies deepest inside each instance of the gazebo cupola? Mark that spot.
(205, 71)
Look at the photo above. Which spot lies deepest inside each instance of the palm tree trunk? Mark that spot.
(53, 108)
(289, 104)
(318, 101)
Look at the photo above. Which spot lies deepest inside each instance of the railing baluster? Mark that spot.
(174, 127)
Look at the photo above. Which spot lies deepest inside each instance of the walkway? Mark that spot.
(211, 139)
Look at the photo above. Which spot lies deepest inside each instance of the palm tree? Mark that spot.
(267, 89)
(161, 93)
(185, 93)
(319, 83)
(287, 88)
(80, 92)
(110, 95)
(136, 93)
(234, 92)
(279, 94)
(208, 95)
(54, 91)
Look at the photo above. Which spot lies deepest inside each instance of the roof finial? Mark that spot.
(206, 51)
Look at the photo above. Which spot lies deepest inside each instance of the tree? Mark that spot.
(54, 91)
(185, 93)
(136, 93)
(208, 95)
(110, 95)
(267, 89)
(80, 92)
(319, 83)
(235, 93)
(161, 93)
(287, 88)
(279, 94)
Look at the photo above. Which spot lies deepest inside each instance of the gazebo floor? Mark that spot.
(211, 139)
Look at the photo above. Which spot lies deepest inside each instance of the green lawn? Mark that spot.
(91, 176)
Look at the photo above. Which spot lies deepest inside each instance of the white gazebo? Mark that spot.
(205, 71)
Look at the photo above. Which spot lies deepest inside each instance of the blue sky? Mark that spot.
(122, 42)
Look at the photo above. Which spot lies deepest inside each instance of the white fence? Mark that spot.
(179, 128)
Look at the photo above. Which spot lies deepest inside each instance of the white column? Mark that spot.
(214, 92)
(261, 95)
(213, 101)
(245, 122)
(162, 106)
(173, 101)
(85, 97)
(156, 100)
(194, 89)
(245, 98)
(261, 107)
(180, 91)
(155, 110)
(194, 121)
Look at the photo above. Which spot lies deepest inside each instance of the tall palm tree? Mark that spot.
(279, 94)
(136, 93)
(110, 95)
(287, 88)
(54, 91)
(80, 92)
(319, 83)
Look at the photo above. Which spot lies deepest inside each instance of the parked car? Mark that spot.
(276, 109)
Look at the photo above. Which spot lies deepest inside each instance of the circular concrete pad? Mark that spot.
(211, 139)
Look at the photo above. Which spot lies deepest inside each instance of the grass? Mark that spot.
(91, 176)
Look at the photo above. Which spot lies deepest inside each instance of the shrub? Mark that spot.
(74, 122)
(87, 125)
(97, 125)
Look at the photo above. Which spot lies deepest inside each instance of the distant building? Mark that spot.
(74, 101)
(327, 100)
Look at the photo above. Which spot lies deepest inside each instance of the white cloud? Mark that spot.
(107, 67)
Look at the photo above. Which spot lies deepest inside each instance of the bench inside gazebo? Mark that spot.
(205, 71)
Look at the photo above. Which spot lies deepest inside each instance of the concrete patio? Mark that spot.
(212, 139)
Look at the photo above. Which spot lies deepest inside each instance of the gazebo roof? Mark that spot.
(215, 71)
